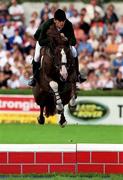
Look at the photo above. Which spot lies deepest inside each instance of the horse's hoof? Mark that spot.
(41, 120)
(72, 108)
(63, 123)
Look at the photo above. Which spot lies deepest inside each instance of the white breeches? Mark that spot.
(37, 52)
(38, 47)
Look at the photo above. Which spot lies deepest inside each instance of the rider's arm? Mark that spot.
(37, 33)
(71, 35)
(40, 34)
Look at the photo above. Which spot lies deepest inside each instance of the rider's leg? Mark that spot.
(35, 65)
(80, 77)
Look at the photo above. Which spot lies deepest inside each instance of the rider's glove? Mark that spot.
(62, 35)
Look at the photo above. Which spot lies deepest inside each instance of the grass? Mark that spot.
(95, 92)
(53, 134)
(64, 177)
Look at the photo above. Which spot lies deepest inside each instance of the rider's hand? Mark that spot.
(62, 34)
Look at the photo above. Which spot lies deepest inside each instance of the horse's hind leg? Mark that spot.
(72, 103)
(59, 105)
(41, 118)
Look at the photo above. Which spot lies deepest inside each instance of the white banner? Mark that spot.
(96, 110)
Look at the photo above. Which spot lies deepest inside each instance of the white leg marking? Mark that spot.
(54, 86)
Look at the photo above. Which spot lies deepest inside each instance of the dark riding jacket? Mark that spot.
(67, 30)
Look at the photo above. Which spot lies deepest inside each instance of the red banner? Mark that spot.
(18, 103)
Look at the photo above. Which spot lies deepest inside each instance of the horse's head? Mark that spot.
(56, 38)
(60, 50)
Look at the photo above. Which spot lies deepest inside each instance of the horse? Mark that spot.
(56, 85)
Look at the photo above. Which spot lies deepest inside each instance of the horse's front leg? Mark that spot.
(41, 118)
(54, 87)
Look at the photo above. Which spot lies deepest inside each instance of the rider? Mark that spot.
(66, 29)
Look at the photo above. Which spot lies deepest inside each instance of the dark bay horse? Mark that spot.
(56, 86)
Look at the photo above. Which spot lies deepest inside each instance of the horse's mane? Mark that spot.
(55, 37)
(57, 42)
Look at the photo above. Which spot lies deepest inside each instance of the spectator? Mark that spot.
(24, 78)
(120, 46)
(3, 12)
(46, 9)
(27, 46)
(119, 26)
(35, 16)
(9, 30)
(83, 25)
(2, 39)
(9, 57)
(84, 45)
(13, 82)
(52, 12)
(119, 80)
(16, 11)
(31, 29)
(110, 15)
(78, 32)
(97, 29)
(105, 81)
(75, 19)
(45, 17)
(7, 71)
(91, 8)
(97, 25)
(3, 59)
(121, 69)
(112, 46)
(117, 63)
(93, 41)
(29, 57)
(3, 82)
(90, 83)
(70, 11)
(17, 37)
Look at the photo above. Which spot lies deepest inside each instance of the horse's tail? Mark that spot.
(50, 105)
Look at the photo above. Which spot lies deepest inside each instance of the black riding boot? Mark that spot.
(35, 69)
(80, 77)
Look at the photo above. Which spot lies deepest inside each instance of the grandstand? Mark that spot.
(99, 35)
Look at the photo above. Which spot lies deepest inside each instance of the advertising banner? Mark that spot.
(89, 110)
(20, 108)
(96, 110)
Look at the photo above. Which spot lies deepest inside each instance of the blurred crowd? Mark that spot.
(99, 34)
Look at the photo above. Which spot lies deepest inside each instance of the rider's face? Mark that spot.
(59, 24)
